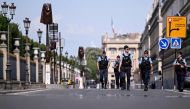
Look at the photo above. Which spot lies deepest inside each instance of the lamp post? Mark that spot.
(5, 9)
(27, 26)
(66, 55)
(39, 32)
(60, 62)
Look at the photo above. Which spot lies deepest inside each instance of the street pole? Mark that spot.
(60, 51)
(39, 32)
(12, 9)
(175, 73)
(162, 71)
(27, 48)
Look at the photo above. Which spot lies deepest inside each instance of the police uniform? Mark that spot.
(180, 69)
(145, 67)
(125, 69)
(117, 74)
(103, 67)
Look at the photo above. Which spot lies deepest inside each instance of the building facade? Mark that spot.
(114, 47)
(174, 8)
(150, 38)
(155, 29)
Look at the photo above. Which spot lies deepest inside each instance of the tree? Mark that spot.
(3, 23)
(91, 56)
(14, 32)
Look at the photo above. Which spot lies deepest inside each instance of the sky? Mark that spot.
(83, 22)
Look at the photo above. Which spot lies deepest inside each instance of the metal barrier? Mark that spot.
(1, 66)
(22, 69)
(33, 72)
(13, 67)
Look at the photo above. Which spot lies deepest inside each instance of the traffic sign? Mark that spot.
(176, 43)
(164, 43)
(176, 26)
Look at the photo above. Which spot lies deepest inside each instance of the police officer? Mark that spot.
(102, 66)
(180, 69)
(146, 69)
(125, 68)
(116, 71)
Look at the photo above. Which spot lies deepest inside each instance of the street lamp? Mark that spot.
(4, 7)
(12, 9)
(66, 54)
(27, 26)
(39, 32)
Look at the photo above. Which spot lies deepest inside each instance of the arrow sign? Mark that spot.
(163, 43)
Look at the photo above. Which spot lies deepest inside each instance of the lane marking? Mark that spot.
(27, 92)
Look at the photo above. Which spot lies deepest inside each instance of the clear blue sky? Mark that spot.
(82, 22)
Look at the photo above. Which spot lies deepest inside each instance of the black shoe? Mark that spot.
(122, 88)
(102, 87)
(181, 90)
(146, 88)
(105, 87)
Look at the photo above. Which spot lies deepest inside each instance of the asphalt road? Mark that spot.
(95, 99)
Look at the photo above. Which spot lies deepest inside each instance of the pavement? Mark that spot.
(96, 99)
(50, 86)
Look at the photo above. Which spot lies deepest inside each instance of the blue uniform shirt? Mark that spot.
(99, 59)
(150, 60)
(126, 54)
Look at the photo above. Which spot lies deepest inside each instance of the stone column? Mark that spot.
(3, 48)
(37, 63)
(43, 66)
(58, 75)
(27, 55)
(17, 54)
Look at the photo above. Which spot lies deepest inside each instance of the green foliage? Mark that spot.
(14, 32)
(91, 56)
(3, 23)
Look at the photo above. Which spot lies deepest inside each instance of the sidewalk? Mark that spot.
(4, 92)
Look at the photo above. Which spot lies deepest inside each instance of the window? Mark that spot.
(121, 50)
(132, 51)
(113, 50)
(112, 63)
(112, 76)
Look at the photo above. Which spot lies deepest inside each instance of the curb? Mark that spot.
(5, 92)
(187, 92)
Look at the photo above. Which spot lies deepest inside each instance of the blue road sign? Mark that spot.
(164, 43)
(175, 43)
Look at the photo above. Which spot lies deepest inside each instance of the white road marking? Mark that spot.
(27, 92)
